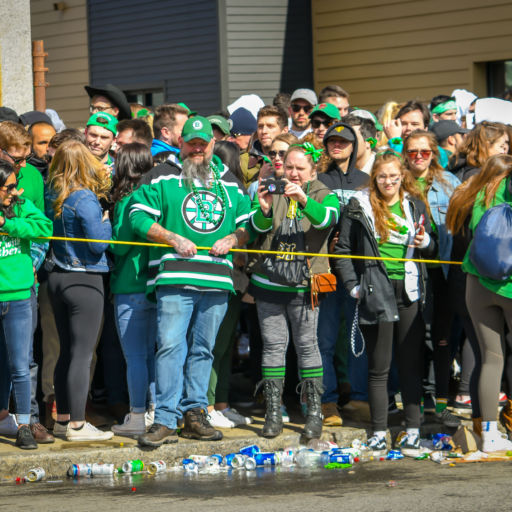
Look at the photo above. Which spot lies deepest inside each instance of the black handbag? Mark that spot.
(287, 269)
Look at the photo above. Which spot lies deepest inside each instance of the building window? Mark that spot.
(499, 77)
(151, 98)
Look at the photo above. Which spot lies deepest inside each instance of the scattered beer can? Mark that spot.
(157, 466)
(35, 474)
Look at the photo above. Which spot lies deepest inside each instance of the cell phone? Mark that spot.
(274, 186)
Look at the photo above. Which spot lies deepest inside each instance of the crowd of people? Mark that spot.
(137, 248)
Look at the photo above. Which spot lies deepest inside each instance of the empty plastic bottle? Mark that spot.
(308, 458)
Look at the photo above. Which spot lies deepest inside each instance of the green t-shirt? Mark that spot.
(395, 269)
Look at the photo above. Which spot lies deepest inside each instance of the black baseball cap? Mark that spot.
(444, 128)
(341, 130)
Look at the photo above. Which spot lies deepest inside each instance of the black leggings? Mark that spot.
(441, 330)
(77, 301)
(408, 336)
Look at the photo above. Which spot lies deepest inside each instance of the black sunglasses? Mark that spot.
(273, 154)
(10, 188)
(18, 159)
(316, 123)
(297, 108)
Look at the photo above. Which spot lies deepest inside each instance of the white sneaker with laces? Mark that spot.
(88, 433)
(495, 441)
(9, 426)
(134, 424)
(218, 420)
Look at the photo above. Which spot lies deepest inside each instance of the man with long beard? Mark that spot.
(191, 203)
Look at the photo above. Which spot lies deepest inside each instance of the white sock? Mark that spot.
(489, 426)
(380, 434)
(413, 432)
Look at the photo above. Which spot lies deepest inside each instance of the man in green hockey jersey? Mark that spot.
(192, 204)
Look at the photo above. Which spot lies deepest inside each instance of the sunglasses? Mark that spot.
(10, 188)
(413, 153)
(297, 108)
(316, 123)
(274, 154)
(17, 160)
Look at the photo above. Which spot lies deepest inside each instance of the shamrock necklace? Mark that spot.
(218, 191)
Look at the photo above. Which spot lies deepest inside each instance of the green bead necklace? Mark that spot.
(218, 190)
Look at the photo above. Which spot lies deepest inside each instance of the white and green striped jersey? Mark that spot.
(168, 201)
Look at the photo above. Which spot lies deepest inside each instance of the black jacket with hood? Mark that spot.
(376, 295)
(345, 185)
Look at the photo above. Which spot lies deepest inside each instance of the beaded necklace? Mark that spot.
(218, 190)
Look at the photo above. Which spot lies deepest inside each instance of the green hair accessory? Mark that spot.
(372, 141)
(391, 152)
(309, 149)
(443, 107)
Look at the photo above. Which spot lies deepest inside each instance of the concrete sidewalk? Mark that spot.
(56, 458)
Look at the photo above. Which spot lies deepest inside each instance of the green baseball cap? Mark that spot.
(105, 120)
(327, 109)
(221, 123)
(197, 127)
(190, 112)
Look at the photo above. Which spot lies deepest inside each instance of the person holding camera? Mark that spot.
(293, 214)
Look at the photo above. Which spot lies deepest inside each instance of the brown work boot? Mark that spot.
(506, 418)
(158, 435)
(477, 426)
(331, 415)
(198, 427)
(41, 435)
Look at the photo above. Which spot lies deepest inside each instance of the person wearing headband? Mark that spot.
(443, 107)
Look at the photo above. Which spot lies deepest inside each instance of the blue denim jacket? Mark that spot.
(81, 218)
(438, 200)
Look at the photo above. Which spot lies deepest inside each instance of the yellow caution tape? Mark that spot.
(252, 251)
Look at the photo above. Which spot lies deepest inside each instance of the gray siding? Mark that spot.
(172, 45)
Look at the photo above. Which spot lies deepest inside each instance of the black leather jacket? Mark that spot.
(376, 296)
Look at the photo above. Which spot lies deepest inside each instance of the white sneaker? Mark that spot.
(495, 442)
(149, 418)
(60, 430)
(88, 433)
(9, 426)
(218, 420)
(134, 424)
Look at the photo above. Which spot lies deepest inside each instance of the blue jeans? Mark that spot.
(333, 305)
(136, 325)
(15, 341)
(188, 322)
(34, 367)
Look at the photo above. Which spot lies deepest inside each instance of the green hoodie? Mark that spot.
(503, 288)
(16, 271)
(130, 272)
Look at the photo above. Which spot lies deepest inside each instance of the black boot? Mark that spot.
(313, 390)
(272, 392)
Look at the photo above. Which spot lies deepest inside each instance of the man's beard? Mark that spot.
(200, 171)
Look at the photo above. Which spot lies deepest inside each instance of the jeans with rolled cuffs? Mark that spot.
(187, 325)
(15, 341)
(136, 325)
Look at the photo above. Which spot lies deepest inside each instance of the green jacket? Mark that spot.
(130, 272)
(318, 217)
(16, 270)
(502, 196)
(31, 181)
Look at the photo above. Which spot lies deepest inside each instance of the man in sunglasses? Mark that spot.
(323, 116)
(301, 105)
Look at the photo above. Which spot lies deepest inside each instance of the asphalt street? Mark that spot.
(404, 485)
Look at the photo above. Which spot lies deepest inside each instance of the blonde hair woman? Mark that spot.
(77, 182)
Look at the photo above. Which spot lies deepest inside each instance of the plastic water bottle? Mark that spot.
(190, 466)
(339, 458)
(308, 458)
(286, 458)
(320, 445)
